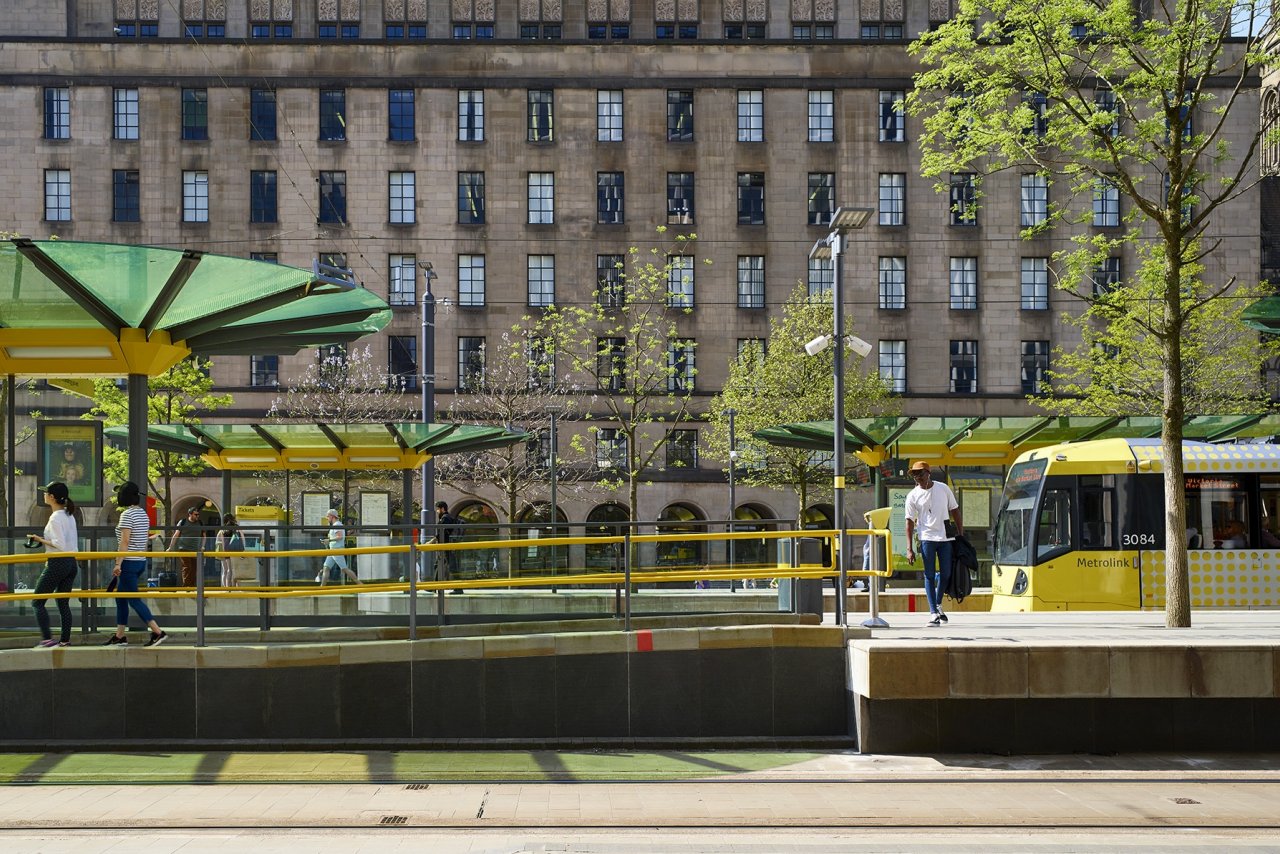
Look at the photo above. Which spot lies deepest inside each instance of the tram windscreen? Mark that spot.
(1015, 525)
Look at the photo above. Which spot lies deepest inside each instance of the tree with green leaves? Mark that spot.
(1141, 122)
(517, 390)
(626, 343)
(180, 395)
(781, 384)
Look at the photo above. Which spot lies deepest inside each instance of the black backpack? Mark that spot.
(964, 560)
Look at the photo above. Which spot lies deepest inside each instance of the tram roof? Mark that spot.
(1147, 455)
(998, 440)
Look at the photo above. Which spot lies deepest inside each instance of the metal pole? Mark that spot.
(733, 498)
(626, 583)
(413, 589)
(878, 549)
(200, 592)
(226, 492)
(11, 480)
(137, 444)
(837, 298)
(555, 477)
(427, 381)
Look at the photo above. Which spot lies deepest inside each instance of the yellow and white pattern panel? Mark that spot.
(1220, 578)
(1205, 457)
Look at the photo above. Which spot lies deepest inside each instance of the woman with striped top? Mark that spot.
(132, 531)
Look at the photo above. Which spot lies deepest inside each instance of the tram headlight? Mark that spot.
(1020, 582)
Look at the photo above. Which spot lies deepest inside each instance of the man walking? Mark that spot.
(447, 531)
(928, 507)
(186, 538)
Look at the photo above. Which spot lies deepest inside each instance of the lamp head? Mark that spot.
(857, 345)
(817, 345)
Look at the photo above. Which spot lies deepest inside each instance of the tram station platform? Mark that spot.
(1094, 682)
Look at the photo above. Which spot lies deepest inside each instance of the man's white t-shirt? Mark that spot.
(929, 509)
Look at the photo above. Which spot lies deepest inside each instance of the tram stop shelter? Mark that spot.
(403, 446)
(72, 309)
(994, 441)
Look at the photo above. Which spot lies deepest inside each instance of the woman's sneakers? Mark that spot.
(156, 639)
(116, 641)
(935, 620)
(48, 644)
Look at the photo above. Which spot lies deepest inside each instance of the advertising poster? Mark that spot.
(71, 451)
(898, 527)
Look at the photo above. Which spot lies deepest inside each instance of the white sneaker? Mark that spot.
(317, 579)
(936, 621)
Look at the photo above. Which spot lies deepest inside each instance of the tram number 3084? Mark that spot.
(1137, 539)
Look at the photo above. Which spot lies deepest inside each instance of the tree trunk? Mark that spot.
(1177, 581)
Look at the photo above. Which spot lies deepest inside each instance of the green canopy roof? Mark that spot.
(402, 445)
(99, 309)
(980, 441)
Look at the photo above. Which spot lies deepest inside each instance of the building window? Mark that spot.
(57, 113)
(752, 350)
(750, 115)
(1035, 200)
(410, 23)
(542, 198)
(333, 115)
(750, 281)
(541, 360)
(1106, 276)
(400, 115)
(964, 367)
(549, 32)
(611, 364)
(126, 205)
(750, 198)
(822, 197)
(333, 198)
(679, 281)
(124, 114)
(195, 196)
(610, 198)
(609, 115)
(893, 122)
(195, 114)
(964, 198)
(611, 448)
(682, 449)
(821, 276)
(1106, 203)
(1104, 101)
(679, 115)
(679, 198)
(402, 361)
(402, 197)
(893, 198)
(541, 115)
(333, 356)
(682, 365)
(471, 198)
(471, 281)
(268, 257)
(822, 115)
(610, 281)
(893, 365)
(735, 31)
(262, 115)
(402, 289)
(542, 280)
(893, 282)
(470, 363)
(1035, 367)
(964, 283)
(1035, 284)
(262, 196)
(264, 371)
(471, 115)
(1039, 106)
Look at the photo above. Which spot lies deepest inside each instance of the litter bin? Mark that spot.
(802, 595)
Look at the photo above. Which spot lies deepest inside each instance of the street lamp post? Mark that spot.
(427, 381)
(554, 411)
(843, 221)
(733, 500)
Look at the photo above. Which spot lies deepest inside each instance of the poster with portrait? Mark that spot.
(71, 452)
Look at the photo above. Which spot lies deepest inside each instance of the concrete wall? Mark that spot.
(781, 682)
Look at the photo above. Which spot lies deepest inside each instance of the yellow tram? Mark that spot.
(1081, 527)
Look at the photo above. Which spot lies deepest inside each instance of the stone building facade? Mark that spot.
(512, 144)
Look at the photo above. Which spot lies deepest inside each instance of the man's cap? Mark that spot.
(332, 514)
(191, 510)
(919, 465)
(57, 489)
